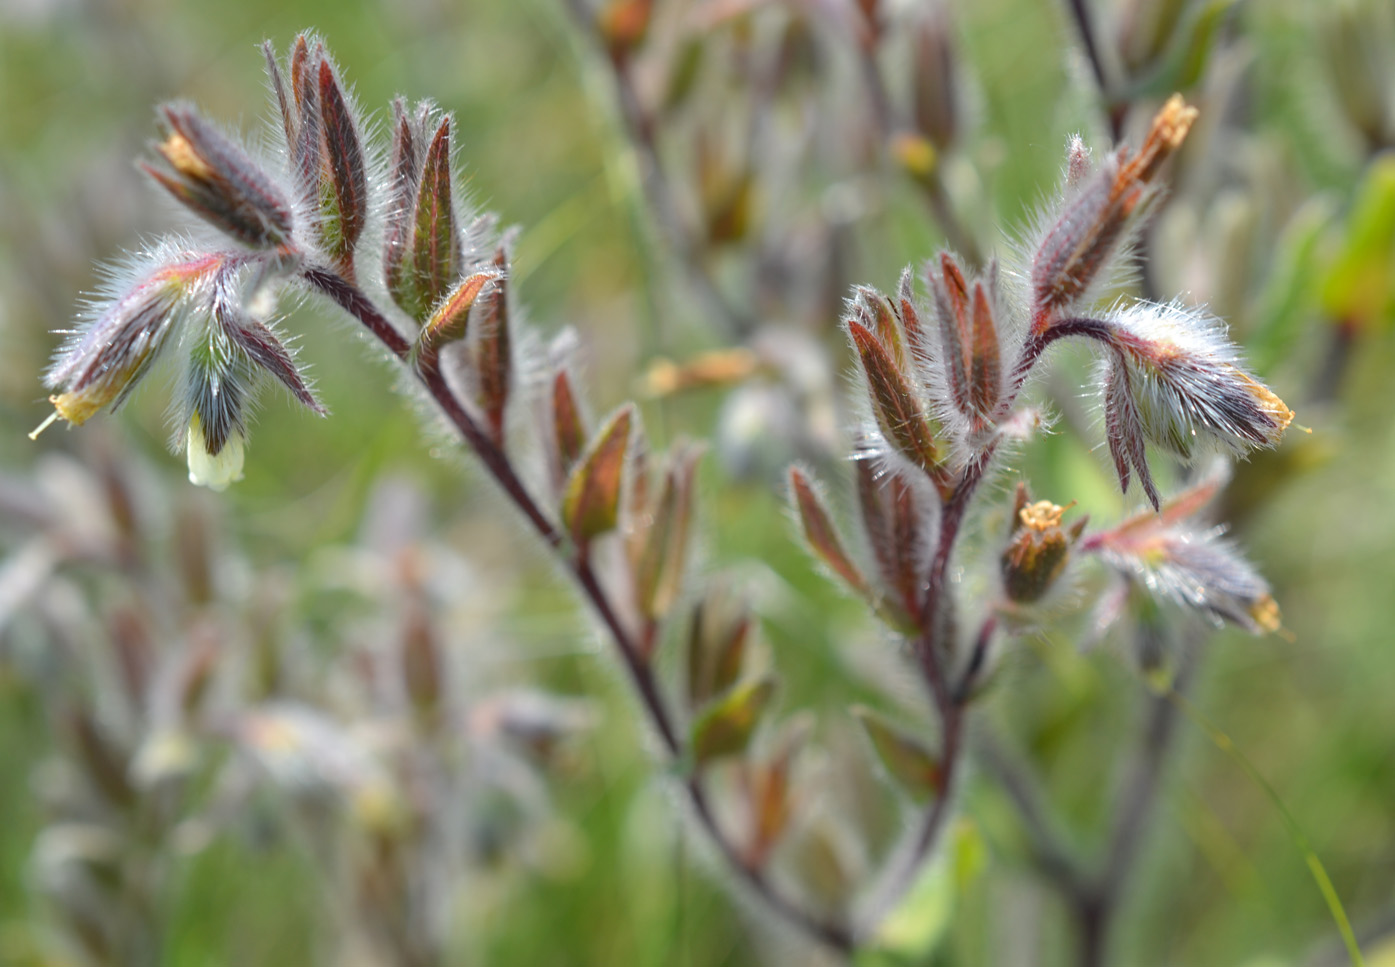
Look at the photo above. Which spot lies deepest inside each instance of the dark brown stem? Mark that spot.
(1084, 25)
(1096, 909)
(578, 562)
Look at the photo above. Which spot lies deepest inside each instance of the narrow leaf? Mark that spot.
(876, 315)
(494, 351)
(268, 352)
(435, 254)
(914, 768)
(910, 318)
(821, 534)
(717, 642)
(898, 412)
(893, 523)
(591, 502)
(402, 193)
(725, 727)
(985, 375)
(347, 180)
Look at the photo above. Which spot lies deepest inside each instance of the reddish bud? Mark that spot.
(898, 412)
(894, 525)
(591, 501)
(985, 369)
(821, 534)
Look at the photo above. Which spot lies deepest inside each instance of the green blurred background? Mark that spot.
(1221, 881)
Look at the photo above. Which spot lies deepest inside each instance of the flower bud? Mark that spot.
(1039, 550)
(218, 181)
(108, 356)
(1098, 218)
(209, 467)
(1180, 562)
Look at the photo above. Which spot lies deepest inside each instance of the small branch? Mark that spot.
(1050, 852)
(658, 191)
(931, 185)
(1085, 27)
(578, 563)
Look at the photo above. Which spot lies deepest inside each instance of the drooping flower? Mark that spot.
(1187, 563)
(105, 359)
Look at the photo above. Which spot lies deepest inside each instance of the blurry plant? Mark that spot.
(193, 709)
(941, 386)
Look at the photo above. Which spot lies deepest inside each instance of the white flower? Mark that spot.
(213, 470)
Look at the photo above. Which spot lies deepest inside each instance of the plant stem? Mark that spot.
(578, 563)
(1085, 27)
(659, 193)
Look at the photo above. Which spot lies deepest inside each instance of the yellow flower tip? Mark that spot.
(77, 408)
(1270, 404)
(1043, 515)
(1174, 121)
(183, 158)
(213, 470)
(916, 154)
(1265, 612)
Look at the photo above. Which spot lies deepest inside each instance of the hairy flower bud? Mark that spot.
(218, 181)
(1178, 560)
(1098, 218)
(107, 357)
(1187, 385)
(1039, 550)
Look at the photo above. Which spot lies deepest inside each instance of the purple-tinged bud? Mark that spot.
(1098, 218)
(1186, 384)
(894, 523)
(568, 427)
(950, 294)
(218, 181)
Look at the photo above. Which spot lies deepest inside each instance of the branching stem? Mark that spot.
(656, 707)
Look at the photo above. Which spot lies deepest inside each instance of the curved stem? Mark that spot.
(578, 563)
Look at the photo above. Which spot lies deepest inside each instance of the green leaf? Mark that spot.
(725, 727)
(913, 766)
(591, 502)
